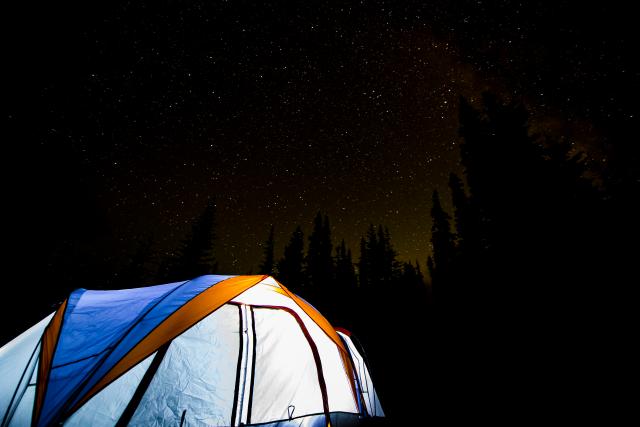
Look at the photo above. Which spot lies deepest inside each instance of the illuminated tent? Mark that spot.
(213, 351)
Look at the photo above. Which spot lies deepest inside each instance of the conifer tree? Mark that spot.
(442, 240)
(268, 263)
(345, 273)
(196, 256)
(291, 266)
(319, 255)
(364, 267)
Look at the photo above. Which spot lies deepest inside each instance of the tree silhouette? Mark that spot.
(411, 276)
(319, 256)
(530, 270)
(390, 267)
(369, 258)
(528, 211)
(364, 265)
(345, 279)
(196, 256)
(378, 264)
(291, 266)
(268, 263)
(464, 219)
(431, 268)
(441, 264)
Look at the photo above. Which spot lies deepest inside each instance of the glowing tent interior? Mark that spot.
(214, 351)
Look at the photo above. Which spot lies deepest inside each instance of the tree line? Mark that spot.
(333, 267)
(312, 266)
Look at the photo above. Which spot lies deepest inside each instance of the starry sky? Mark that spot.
(126, 117)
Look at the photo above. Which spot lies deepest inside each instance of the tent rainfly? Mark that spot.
(213, 351)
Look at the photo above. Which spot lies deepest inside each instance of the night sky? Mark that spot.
(124, 118)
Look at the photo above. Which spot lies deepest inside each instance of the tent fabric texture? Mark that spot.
(212, 351)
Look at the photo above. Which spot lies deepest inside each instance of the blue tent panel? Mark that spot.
(100, 327)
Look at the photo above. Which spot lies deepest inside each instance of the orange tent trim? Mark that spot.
(47, 349)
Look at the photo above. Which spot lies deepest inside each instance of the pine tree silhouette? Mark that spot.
(370, 259)
(390, 268)
(411, 277)
(531, 262)
(528, 210)
(291, 266)
(345, 279)
(196, 256)
(268, 263)
(431, 268)
(364, 265)
(378, 265)
(441, 264)
(319, 256)
(461, 211)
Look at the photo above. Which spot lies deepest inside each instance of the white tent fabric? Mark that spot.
(18, 369)
(197, 375)
(258, 359)
(287, 384)
(106, 407)
(21, 411)
(14, 358)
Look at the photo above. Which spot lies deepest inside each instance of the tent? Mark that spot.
(212, 351)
